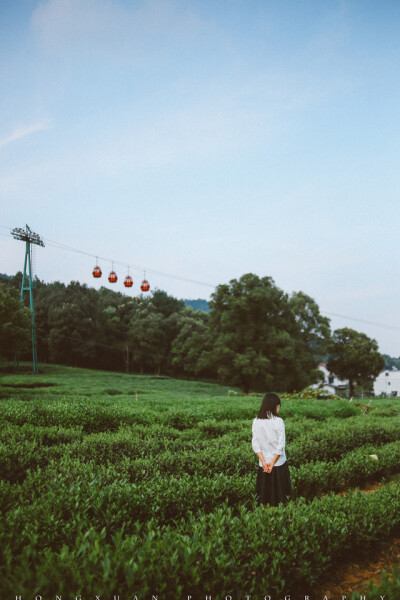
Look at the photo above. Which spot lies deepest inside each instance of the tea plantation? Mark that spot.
(127, 485)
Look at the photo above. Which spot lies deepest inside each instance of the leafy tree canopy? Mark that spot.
(391, 362)
(192, 343)
(15, 324)
(354, 356)
(262, 339)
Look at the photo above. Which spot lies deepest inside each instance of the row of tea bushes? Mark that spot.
(329, 441)
(255, 552)
(333, 442)
(240, 460)
(96, 415)
(136, 490)
(99, 414)
(356, 468)
(141, 457)
(160, 448)
(102, 415)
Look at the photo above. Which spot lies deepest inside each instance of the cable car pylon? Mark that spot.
(29, 237)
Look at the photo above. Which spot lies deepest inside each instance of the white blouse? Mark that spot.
(269, 438)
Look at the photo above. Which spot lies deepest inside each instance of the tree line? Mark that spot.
(254, 336)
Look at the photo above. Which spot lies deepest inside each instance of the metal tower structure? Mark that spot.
(29, 237)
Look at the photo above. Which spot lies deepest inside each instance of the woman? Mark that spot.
(273, 479)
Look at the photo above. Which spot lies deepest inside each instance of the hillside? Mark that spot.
(198, 304)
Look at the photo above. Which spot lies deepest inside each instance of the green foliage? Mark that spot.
(354, 356)
(262, 339)
(191, 345)
(310, 394)
(391, 362)
(15, 324)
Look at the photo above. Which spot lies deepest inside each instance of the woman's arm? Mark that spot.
(271, 464)
(264, 464)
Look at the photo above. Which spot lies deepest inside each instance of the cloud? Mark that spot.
(24, 130)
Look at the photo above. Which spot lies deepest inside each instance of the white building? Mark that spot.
(331, 383)
(388, 383)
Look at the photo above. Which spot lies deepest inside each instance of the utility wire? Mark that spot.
(362, 321)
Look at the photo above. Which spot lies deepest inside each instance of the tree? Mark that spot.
(391, 363)
(47, 297)
(152, 328)
(314, 328)
(312, 339)
(354, 356)
(192, 342)
(15, 324)
(72, 322)
(71, 336)
(165, 304)
(258, 341)
(114, 311)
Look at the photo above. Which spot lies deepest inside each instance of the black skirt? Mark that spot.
(274, 488)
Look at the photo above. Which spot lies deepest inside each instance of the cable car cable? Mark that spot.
(123, 264)
(127, 265)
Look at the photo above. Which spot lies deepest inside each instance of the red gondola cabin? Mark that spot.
(112, 278)
(145, 286)
(97, 271)
(128, 281)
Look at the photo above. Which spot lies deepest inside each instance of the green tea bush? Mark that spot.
(355, 469)
(41, 434)
(340, 438)
(319, 411)
(17, 458)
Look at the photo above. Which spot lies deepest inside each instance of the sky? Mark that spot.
(205, 140)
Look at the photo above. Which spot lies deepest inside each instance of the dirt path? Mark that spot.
(355, 576)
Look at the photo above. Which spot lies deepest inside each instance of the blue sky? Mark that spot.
(208, 139)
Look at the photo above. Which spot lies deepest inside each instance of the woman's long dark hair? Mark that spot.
(268, 406)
